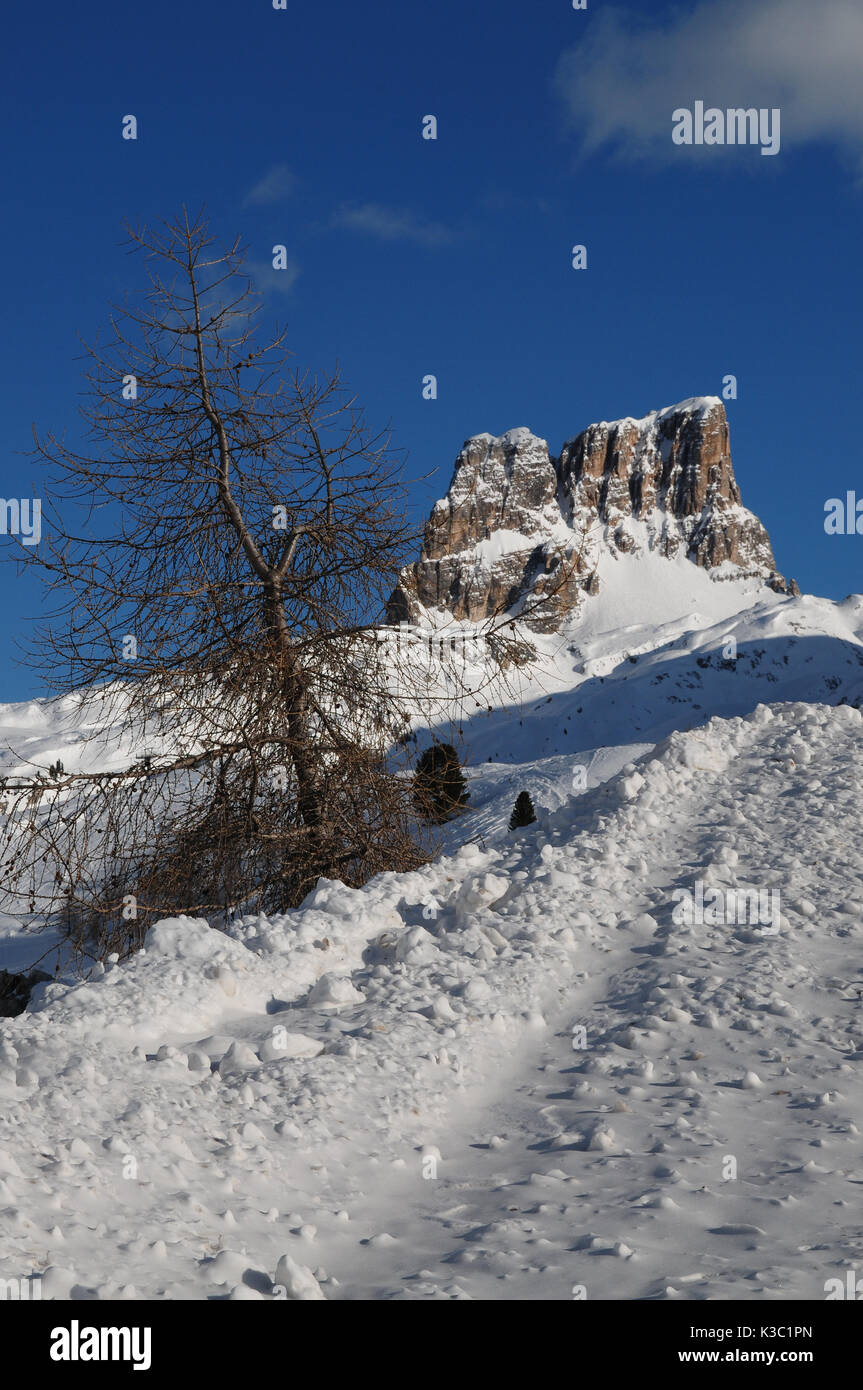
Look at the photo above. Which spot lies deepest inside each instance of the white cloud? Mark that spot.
(277, 184)
(266, 277)
(623, 81)
(391, 224)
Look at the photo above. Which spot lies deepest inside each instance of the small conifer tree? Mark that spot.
(439, 787)
(522, 812)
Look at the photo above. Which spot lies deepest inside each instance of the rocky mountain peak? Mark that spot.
(521, 531)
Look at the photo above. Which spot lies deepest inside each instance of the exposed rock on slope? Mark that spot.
(522, 531)
(15, 990)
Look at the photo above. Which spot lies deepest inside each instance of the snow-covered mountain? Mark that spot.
(524, 532)
(645, 596)
(522, 1071)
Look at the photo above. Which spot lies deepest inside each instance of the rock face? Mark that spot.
(522, 532)
(15, 991)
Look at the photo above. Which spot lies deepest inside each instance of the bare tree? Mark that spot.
(218, 553)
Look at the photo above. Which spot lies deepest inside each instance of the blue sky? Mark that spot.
(452, 256)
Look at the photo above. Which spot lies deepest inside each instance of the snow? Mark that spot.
(472, 1080)
(503, 542)
(648, 655)
(520, 435)
(693, 405)
(513, 438)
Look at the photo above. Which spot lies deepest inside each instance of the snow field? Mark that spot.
(472, 1080)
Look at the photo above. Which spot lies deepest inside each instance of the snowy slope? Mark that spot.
(663, 647)
(222, 1111)
(647, 656)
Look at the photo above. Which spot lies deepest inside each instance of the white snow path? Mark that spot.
(696, 1009)
(605, 1167)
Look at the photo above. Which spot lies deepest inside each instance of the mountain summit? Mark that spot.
(521, 531)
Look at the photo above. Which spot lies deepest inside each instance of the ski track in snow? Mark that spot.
(228, 1110)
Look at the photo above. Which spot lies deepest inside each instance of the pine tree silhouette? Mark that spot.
(439, 788)
(522, 812)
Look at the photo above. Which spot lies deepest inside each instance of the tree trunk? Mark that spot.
(294, 687)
